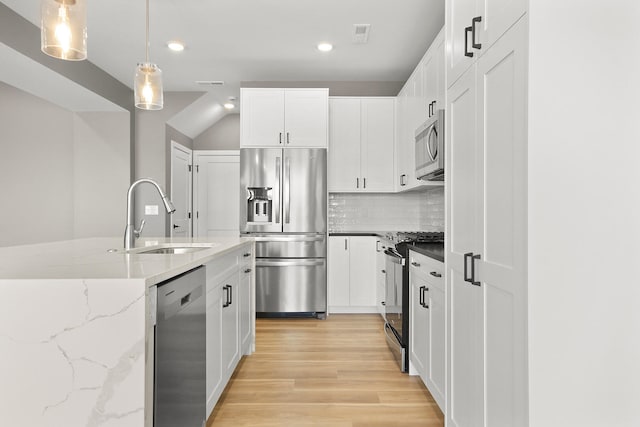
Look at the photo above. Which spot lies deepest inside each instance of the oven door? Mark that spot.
(393, 289)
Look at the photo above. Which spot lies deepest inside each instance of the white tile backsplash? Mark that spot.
(415, 211)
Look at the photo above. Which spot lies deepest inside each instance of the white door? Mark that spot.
(306, 117)
(502, 187)
(180, 220)
(344, 144)
(216, 193)
(459, 19)
(377, 146)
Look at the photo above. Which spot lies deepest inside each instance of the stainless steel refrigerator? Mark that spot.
(283, 205)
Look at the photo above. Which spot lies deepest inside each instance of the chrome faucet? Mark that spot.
(130, 233)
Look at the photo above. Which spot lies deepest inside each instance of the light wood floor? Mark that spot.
(333, 373)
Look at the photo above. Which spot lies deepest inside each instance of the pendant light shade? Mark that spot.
(148, 87)
(63, 29)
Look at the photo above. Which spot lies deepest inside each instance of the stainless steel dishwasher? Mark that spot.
(180, 352)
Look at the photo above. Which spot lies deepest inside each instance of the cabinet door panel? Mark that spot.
(419, 327)
(262, 112)
(462, 169)
(344, 144)
(377, 144)
(306, 117)
(497, 17)
(362, 278)
(245, 309)
(437, 341)
(230, 325)
(338, 266)
(502, 166)
(214, 355)
(459, 14)
(466, 356)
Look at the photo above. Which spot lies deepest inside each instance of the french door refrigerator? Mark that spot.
(283, 205)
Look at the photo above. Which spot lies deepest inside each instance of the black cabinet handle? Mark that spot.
(430, 112)
(230, 294)
(383, 303)
(415, 264)
(474, 21)
(466, 263)
(467, 30)
(226, 296)
(435, 274)
(473, 270)
(248, 254)
(384, 271)
(248, 270)
(421, 291)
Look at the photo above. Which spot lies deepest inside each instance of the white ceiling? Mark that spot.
(257, 40)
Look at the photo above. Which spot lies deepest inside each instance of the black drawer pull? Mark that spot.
(474, 21)
(435, 274)
(248, 254)
(415, 264)
(467, 30)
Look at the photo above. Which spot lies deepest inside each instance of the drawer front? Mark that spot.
(428, 268)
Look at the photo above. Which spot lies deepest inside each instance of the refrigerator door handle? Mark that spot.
(295, 238)
(287, 190)
(276, 191)
(290, 262)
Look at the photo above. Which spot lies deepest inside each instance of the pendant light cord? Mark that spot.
(147, 47)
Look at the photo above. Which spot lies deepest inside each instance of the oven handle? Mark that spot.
(396, 258)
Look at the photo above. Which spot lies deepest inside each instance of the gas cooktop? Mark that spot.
(416, 237)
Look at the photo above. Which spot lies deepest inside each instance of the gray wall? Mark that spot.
(62, 175)
(151, 157)
(223, 135)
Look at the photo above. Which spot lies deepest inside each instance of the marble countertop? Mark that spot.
(91, 259)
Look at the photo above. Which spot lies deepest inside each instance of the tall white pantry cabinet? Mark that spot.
(542, 326)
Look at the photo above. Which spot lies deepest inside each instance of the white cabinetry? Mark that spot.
(474, 26)
(361, 144)
(352, 277)
(283, 117)
(427, 328)
(418, 100)
(486, 228)
(381, 273)
(229, 323)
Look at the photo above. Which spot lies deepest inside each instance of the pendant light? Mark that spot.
(63, 29)
(148, 81)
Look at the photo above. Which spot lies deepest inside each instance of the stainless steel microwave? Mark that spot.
(430, 149)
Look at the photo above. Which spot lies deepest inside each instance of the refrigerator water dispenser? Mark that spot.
(259, 204)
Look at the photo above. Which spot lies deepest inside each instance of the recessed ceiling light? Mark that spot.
(175, 46)
(229, 106)
(325, 47)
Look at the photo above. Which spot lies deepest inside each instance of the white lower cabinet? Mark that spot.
(351, 279)
(229, 323)
(427, 341)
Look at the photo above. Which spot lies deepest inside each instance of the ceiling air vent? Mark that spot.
(210, 82)
(361, 33)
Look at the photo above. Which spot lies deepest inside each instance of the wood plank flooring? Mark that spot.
(334, 373)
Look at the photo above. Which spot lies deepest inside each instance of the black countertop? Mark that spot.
(432, 250)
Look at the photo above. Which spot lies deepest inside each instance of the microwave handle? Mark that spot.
(432, 130)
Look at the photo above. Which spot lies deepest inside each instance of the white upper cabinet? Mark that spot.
(474, 26)
(361, 144)
(418, 100)
(283, 117)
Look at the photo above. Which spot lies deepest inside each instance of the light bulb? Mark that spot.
(63, 29)
(147, 93)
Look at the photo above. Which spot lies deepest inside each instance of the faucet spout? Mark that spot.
(130, 233)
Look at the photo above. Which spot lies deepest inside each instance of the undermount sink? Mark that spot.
(175, 250)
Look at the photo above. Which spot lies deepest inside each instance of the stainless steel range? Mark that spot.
(396, 327)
